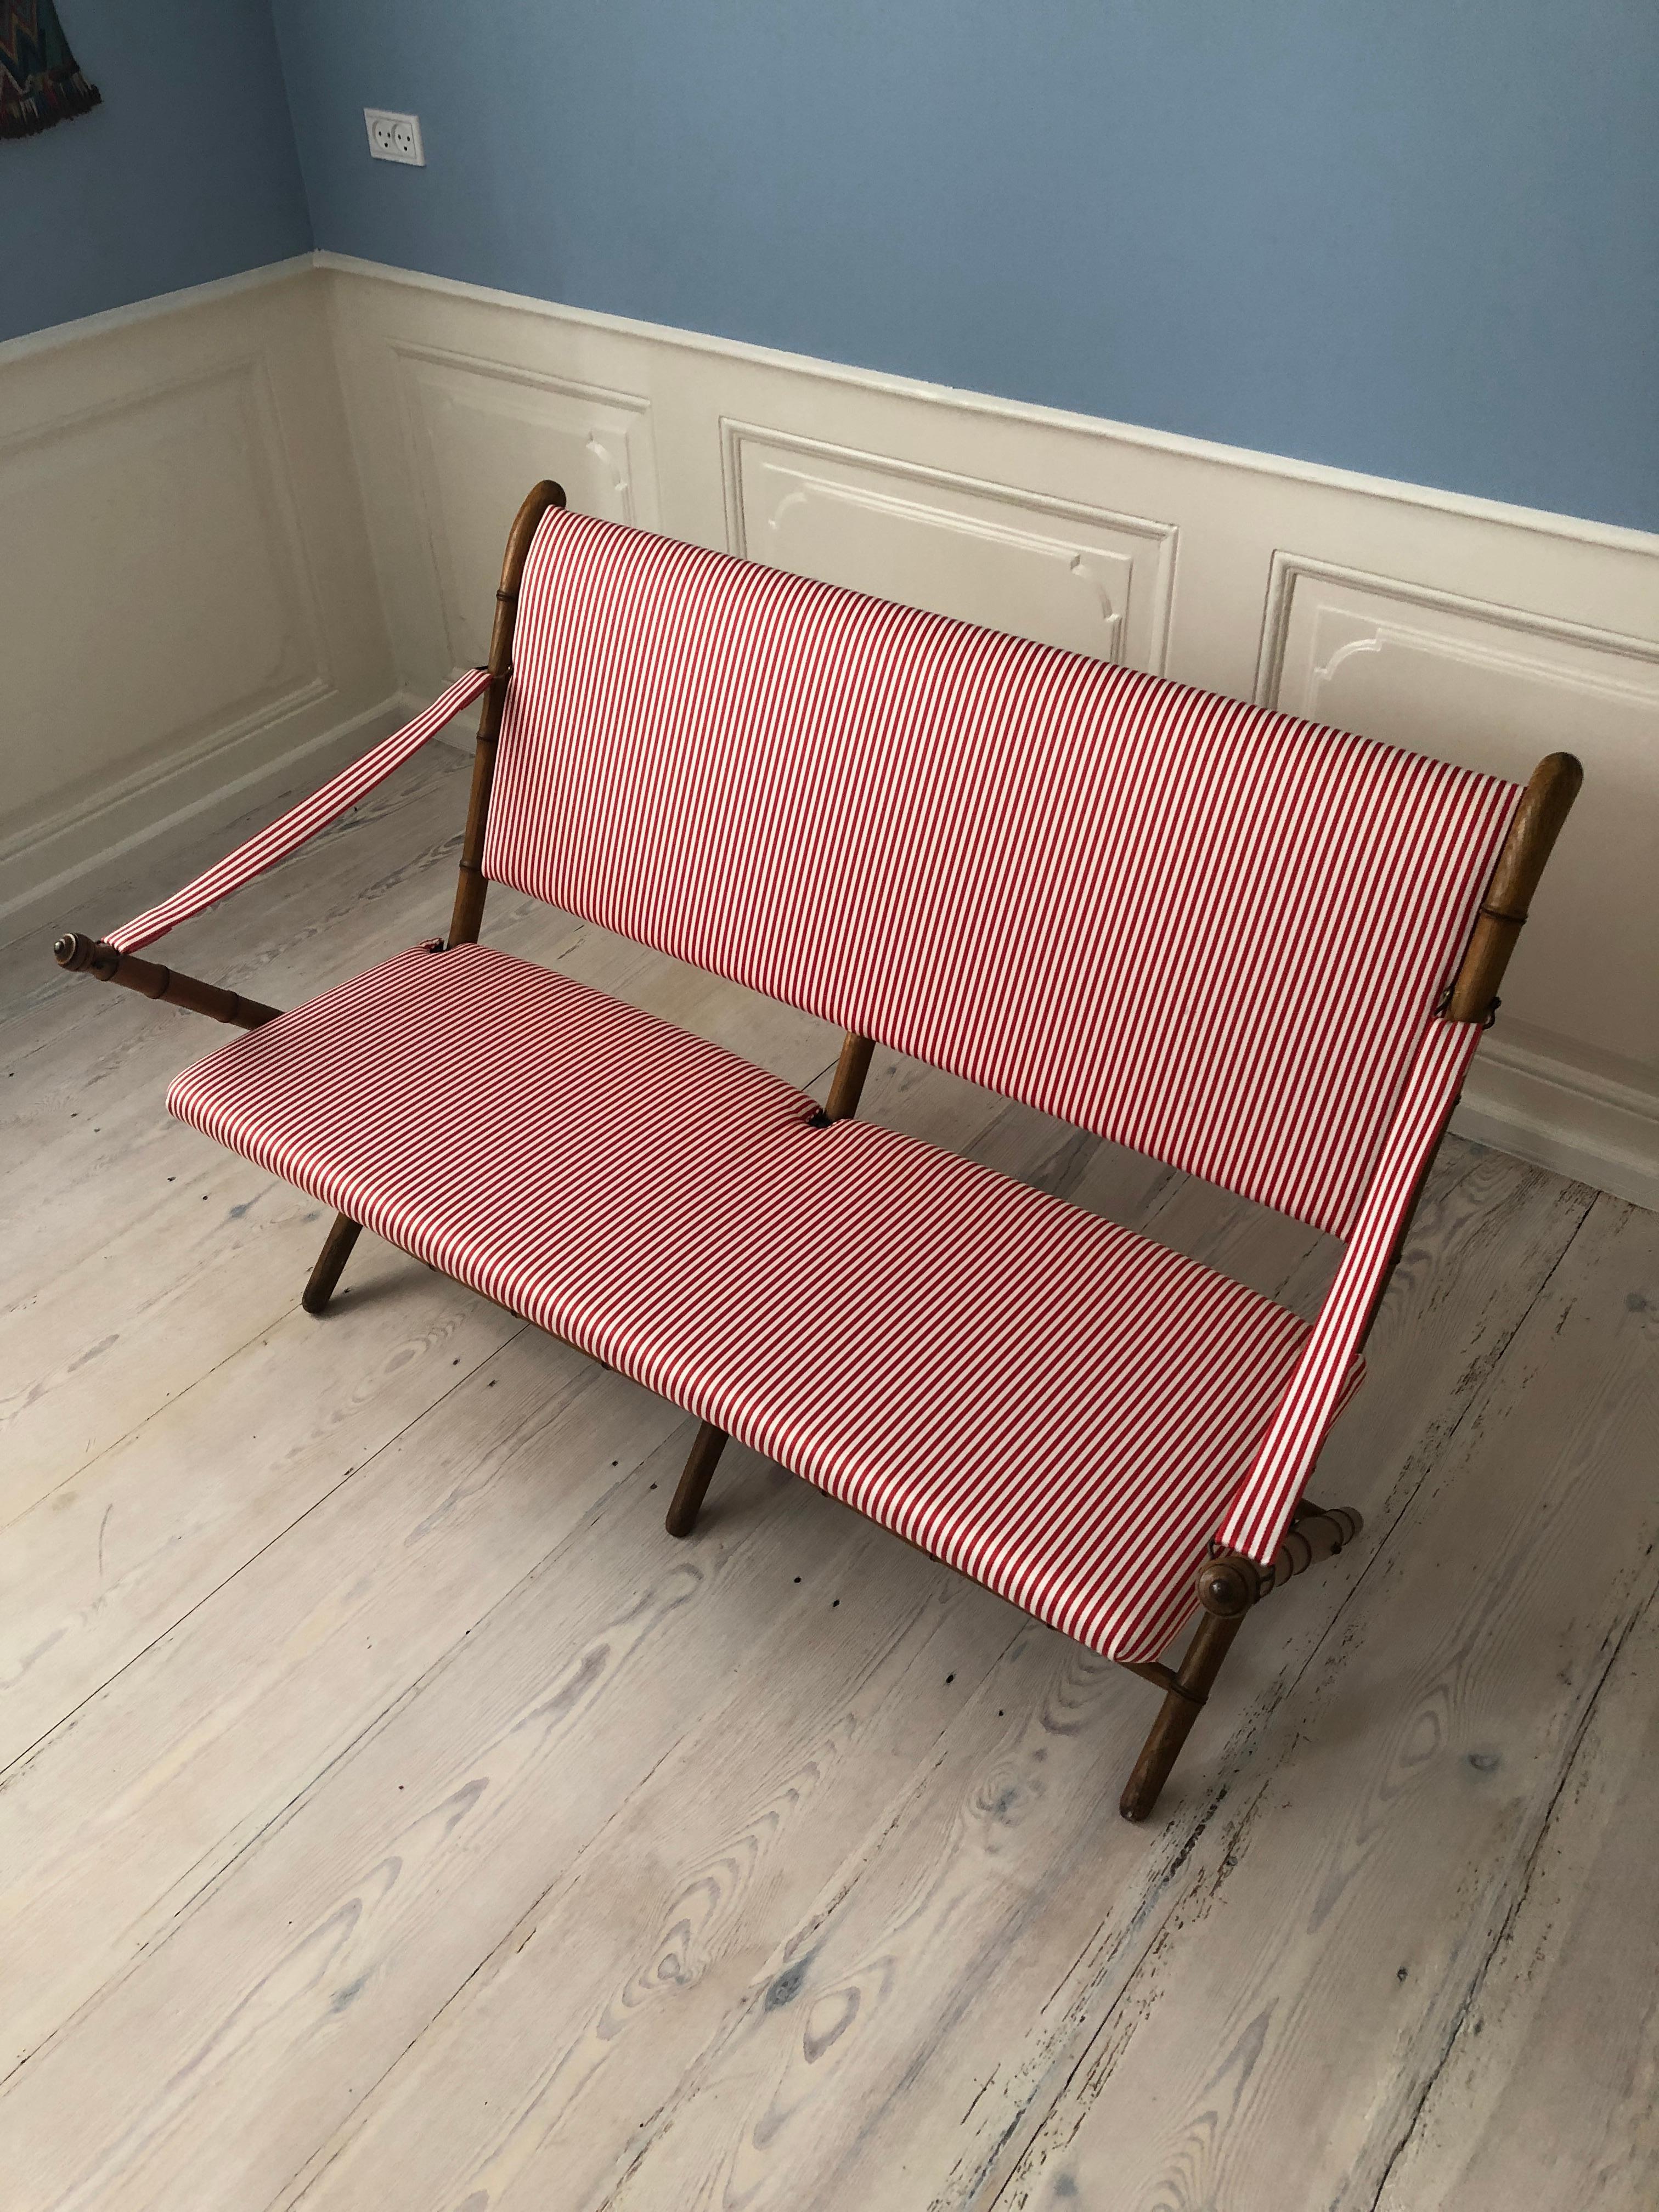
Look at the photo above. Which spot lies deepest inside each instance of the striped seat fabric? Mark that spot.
(1034, 1394)
(1208, 932)
(1211, 932)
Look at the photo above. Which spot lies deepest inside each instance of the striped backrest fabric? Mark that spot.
(1210, 933)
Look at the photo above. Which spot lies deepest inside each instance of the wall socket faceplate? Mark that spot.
(395, 137)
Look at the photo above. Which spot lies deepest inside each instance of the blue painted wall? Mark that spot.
(1417, 237)
(187, 171)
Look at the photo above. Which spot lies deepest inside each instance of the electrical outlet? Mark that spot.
(395, 137)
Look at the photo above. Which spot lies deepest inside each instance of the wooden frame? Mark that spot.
(1228, 1583)
(469, 889)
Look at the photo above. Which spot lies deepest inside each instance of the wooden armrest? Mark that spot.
(91, 956)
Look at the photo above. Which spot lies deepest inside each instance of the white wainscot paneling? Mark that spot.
(1498, 688)
(480, 433)
(1068, 574)
(163, 596)
(183, 574)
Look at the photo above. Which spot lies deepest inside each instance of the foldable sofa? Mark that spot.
(1260, 950)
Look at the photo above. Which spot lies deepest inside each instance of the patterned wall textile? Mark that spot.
(41, 82)
(1206, 931)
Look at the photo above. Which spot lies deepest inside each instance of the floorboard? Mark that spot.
(1547, 2093)
(1334, 1954)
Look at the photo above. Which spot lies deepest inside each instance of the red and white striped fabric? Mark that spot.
(1211, 932)
(291, 829)
(1260, 1512)
(1036, 1396)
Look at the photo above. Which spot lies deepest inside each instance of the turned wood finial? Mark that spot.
(77, 953)
(1548, 799)
(1230, 1584)
(83, 955)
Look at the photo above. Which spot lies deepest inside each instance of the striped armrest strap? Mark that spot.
(1262, 1511)
(291, 829)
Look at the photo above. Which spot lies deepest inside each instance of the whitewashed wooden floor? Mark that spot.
(392, 1816)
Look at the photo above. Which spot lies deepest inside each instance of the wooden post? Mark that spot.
(470, 891)
(1184, 1700)
(848, 1087)
(1551, 790)
(1228, 1586)
(1549, 796)
(91, 956)
(694, 1481)
(337, 1250)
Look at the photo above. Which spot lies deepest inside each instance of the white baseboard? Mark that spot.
(1562, 1116)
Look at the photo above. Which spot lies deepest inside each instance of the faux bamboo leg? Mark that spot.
(337, 1250)
(1532, 834)
(694, 1482)
(91, 956)
(1182, 1704)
